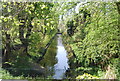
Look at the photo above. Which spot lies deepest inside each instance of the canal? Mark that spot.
(56, 60)
(62, 61)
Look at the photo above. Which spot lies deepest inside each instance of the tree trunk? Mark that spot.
(45, 50)
(118, 6)
(7, 50)
(22, 27)
(25, 39)
(29, 29)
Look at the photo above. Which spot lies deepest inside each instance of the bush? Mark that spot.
(87, 76)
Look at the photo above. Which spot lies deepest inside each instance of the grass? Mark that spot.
(6, 75)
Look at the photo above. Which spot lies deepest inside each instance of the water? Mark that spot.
(62, 61)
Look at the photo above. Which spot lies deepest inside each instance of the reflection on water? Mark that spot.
(49, 59)
(55, 60)
(62, 61)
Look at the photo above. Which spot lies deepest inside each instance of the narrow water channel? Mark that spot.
(62, 61)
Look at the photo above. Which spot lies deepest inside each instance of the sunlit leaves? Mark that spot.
(4, 5)
(43, 6)
(38, 15)
(100, 35)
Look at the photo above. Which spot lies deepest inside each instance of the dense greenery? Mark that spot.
(28, 29)
(90, 35)
(93, 37)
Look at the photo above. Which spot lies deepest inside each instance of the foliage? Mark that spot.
(6, 75)
(87, 76)
(31, 27)
(95, 38)
(115, 64)
(27, 28)
(92, 33)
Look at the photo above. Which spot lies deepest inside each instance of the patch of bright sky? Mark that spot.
(70, 12)
(78, 6)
